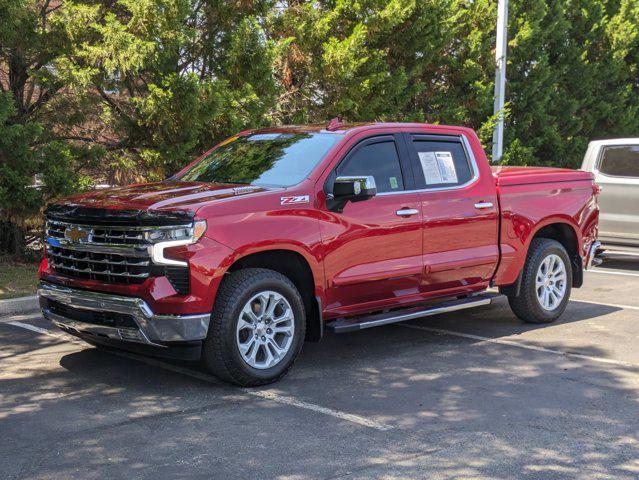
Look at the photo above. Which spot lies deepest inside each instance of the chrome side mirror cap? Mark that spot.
(354, 188)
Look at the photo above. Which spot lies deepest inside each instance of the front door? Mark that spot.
(373, 249)
(460, 214)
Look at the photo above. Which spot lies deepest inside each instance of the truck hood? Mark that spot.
(168, 195)
(529, 175)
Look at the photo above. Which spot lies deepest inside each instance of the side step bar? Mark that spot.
(351, 324)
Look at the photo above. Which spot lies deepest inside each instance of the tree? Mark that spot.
(572, 78)
(32, 121)
(129, 90)
(168, 77)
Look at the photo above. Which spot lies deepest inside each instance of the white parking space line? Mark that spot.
(612, 272)
(263, 394)
(316, 408)
(32, 328)
(614, 305)
(525, 346)
(26, 316)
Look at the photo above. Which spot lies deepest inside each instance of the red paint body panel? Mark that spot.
(367, 257)
(528, 208)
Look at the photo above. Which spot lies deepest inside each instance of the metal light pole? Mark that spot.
(500, 78)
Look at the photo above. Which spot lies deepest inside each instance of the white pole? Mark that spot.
(500, 78)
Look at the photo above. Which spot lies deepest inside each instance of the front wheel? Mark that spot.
(546, 283)
(257, 328)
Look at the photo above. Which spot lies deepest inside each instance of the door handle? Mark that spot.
(406, 212)
(482, 205)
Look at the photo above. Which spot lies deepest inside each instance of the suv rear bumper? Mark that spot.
(116, 317)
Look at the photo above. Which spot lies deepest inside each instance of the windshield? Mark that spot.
(263, 159)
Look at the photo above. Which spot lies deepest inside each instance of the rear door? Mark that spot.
(373, 249)
(460, 213)
(617, 172)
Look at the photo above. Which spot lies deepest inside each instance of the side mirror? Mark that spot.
(350, 189)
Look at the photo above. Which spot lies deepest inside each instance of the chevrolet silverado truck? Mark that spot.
(277, 235)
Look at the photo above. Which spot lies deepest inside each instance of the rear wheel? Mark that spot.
(546, 283)
(257, 328)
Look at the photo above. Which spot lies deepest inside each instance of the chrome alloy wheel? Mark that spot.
(550, 282)
(265, 330)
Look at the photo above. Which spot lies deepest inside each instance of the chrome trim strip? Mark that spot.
(481, 205)
(407, 212)
(98, 272)
(132, 251)
(473, 165)
(141, 263)
(152, 328)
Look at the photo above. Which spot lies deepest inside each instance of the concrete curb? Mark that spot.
(18, 306)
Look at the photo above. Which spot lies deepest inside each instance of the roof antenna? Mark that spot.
(334, 124)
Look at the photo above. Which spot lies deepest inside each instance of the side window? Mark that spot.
(379, 160)
(441, 164)
(620, 161)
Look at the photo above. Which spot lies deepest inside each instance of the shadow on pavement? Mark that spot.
(621, 262)
(460, 408)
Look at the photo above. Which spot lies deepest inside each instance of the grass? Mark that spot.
(17, 279)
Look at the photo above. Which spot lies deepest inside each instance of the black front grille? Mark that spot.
(107, 319)
(103, 267)
(82, 245)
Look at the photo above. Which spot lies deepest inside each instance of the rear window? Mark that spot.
(441, 164)
(620, 161)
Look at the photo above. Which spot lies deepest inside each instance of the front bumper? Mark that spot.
(126, 319)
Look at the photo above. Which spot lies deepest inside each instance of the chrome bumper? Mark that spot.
(151, 329)
(591, 254)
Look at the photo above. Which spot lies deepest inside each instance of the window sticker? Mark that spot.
(438, 167)
(447, 167)
(393, 182)
(430, 168)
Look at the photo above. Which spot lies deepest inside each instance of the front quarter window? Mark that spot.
(263, 159)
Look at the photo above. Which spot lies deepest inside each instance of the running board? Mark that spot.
(343, 325)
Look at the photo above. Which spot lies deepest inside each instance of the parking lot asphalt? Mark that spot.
(473, 394)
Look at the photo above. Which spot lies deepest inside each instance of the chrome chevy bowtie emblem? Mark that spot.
(78, 234)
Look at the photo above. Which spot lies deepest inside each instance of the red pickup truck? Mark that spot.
(276, 235)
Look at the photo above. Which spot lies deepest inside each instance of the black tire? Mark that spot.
(220, 352)
(527, 305)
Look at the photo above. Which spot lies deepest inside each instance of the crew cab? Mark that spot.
(278, 235)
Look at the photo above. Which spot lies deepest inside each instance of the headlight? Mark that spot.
(174, 237)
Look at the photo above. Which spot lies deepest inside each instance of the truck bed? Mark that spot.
(528, 200)
(526, 175)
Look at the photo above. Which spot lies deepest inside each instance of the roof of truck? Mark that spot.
(341, 128)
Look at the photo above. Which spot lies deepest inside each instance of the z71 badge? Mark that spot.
(294, 199)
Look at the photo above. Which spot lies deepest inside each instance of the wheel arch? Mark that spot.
(296, 267)
(566, 234)
(563, 232)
